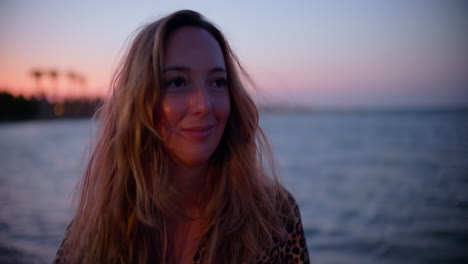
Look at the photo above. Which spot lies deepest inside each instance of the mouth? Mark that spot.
(198, 132)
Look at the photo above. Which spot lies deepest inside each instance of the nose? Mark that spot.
(201, 104)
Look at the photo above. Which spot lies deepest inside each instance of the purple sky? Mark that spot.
(317, 54)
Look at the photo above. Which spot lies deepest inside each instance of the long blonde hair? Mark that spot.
(125, 195)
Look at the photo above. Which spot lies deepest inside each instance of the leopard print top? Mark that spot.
(290, 249)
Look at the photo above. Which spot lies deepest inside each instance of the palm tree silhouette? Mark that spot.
(82, 82)
(53, 74)
(72, 76)
(37, 74)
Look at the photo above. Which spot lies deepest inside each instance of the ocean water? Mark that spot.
(372, 187)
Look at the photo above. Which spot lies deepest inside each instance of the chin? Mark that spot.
(194, 159)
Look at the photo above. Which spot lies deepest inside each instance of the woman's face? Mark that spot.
(195, 104)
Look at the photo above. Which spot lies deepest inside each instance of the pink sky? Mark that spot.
(394, 53)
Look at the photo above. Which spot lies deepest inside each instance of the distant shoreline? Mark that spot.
(363, 110)
(18, 108)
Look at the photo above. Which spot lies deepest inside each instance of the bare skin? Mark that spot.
(184, 240)
(193, 114)
(184, 234)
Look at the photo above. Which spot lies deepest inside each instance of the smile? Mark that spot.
(198, 132)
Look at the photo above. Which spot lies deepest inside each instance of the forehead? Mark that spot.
(192, 47)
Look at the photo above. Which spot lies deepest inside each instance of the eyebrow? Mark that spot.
(187, 69)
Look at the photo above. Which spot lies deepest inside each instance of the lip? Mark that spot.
(198, 132)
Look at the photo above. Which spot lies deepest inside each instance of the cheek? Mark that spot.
(170, 112)
(167, 119)
(223, 109)
(227, 111)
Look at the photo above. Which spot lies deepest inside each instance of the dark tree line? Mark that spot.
(15, 108)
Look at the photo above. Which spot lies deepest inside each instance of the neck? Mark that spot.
(189, 181)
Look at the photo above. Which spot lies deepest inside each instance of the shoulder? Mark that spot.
(60, 256)
(290, 213)
(291, 246)
(287, 205)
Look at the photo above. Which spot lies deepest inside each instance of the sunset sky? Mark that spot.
(307, 53)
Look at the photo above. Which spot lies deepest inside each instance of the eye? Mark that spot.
(176, 82)
(219, 82)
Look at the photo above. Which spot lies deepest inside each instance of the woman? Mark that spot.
(177, 173)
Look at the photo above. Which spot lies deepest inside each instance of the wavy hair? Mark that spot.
(125, 195)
